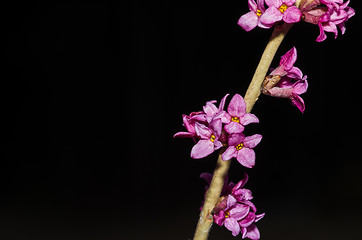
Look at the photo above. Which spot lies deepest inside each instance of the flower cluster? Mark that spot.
(327, 14)
(214, 128)
(287, 81)
(234, 209)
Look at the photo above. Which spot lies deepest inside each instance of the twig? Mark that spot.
(251, 96)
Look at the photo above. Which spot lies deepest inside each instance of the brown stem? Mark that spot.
(251, 96)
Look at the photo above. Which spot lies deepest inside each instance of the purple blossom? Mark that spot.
(327, 14)
(251, 19)
(280, 10)
(237, 117)
(241, 148)
(286, 65)
(287, 89)
(230, 215)
(209, 141)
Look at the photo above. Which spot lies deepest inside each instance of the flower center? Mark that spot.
(283, 7)
(235, 119)
(258, 13)
(227, 214)
(239, 146)
(212, 138)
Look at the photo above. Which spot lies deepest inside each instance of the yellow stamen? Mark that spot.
(212, 138)
(235, 119)
(227, 214)
(258, 13)
(240, 146)
(283, 7)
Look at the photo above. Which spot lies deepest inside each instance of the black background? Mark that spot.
(93, 91)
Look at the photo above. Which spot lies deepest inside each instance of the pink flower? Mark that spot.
(251, 19)
(189, 124)
(285, 68)
(327, 14)
(230, 216)
(209, 141)
(239, 193)
(280, 10)
(287, 89)
(241, 148)
(237, 117)
(286, 65)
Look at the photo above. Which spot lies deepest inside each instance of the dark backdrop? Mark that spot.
(92, 93)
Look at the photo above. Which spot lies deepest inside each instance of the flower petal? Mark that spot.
(252, 141)
(298, 102)
(232, 225)
(202, 149)
(248, 118)
(248, 21)
(237, 106)
(234, 127)
(216, 127)
(239, 212)
(229, 153)
(292, 15)
(246, 157)
(202, 131)
(288, 59)
(274, 3)
(253, 232)
(270, 16)
(235, 139)
(248, 220)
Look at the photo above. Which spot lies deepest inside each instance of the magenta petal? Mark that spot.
(301, 86)
(298, 102)
(216, 127)
(239, 212)
(229, 153)
(222, 102)
(259, 216)
(248, 118)
(292, 15)
(248, 21)
(288, 59)
(241, 183)
(252, 5)
(234, 127)
(248, 220)
(253, 232)
(237, 106)
(252, 141)
(246, 157)
(232, 225)
(219, 218)
(295, 73)
(235, 139)
(270, 16)
(184, 135)
(202, 149)
(202, 131)
(274, 3)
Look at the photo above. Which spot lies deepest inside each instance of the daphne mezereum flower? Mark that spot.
(209, 141)
(285, 68)
(237, 117)
(230, 215)
(327, 14)
(241, 148)
(237, 217)
(280, 10)
(287, 89)
(251, 19)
